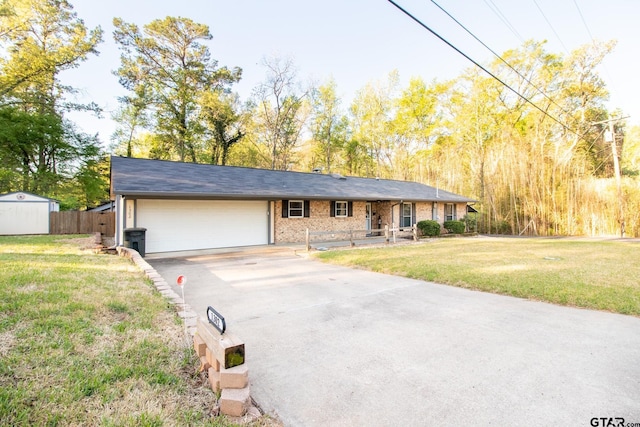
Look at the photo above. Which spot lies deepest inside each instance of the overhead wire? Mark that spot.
(584, 22)
(496, 10)
(499, 57)
(551, 26)
(426, 27)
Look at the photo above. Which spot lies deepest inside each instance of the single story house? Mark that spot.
(188, 206)
(25, 213)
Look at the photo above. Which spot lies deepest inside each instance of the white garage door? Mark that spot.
(180, 225)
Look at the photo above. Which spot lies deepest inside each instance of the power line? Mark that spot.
(551, 26)
(500, 57)
(496, 10)
(583, 21)
(423, 25)
(604, 67)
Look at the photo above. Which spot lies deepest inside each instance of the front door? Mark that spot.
(368, 216)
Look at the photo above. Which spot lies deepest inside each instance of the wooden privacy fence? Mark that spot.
(76, 222)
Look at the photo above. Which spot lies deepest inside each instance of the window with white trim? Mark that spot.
(296, 209)
(342, 209)
(406, 215)
(449, 212)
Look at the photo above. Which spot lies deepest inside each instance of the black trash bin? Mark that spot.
(134, 239)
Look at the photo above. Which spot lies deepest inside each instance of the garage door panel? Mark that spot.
(187, 225)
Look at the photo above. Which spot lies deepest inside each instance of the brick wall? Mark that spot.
(289, 230)
(423, 211)
(461, 211)
(293, 230)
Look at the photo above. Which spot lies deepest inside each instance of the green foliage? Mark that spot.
(371, 113)
(429, 228)
(42, 38)
(356, 158)
(471, 222)
(40, 151)
(43, 154)
(92, 180)
(130, 117)
(454, 226)
(170, 75)
(235, 359)
(630, 156)
(501, 227)
(413, 122)
(23, 136)
(328, 127)
(219, 114)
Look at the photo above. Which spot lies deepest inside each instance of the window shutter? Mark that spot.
(332, 208)
(307, 209)
(285, 209)
(413, 214)
(455, 213)
(350, 209)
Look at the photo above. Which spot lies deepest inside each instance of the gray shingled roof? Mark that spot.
(146, 178)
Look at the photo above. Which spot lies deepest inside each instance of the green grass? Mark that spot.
(602, 275)
(86, 340)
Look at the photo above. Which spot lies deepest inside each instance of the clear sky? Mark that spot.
(358, 41)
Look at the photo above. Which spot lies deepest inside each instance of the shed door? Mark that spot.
(24, 218)
(180, 225)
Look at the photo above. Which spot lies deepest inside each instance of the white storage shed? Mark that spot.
(25, 213)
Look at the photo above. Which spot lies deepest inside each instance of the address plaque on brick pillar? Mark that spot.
(216, 320)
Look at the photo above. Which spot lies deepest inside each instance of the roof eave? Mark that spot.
(235, 196)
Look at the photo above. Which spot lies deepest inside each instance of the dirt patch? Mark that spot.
(7, 341)
(83, 243)
(94, 242)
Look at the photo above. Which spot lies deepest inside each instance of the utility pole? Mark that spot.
(610, 136)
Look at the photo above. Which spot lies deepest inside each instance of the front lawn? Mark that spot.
(86, 340)
(603, 274)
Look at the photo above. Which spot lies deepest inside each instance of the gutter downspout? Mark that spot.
(119, 207)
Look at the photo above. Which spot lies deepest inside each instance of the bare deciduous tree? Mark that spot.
(281, 111)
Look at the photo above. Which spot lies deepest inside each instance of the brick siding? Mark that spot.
(293, 230)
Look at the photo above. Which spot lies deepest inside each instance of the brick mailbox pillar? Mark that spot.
(222, 355)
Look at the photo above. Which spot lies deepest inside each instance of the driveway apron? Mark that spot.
(329, 345)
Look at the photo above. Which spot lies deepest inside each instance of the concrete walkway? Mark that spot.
(328, 345)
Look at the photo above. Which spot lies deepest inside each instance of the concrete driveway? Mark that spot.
(328, 345)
